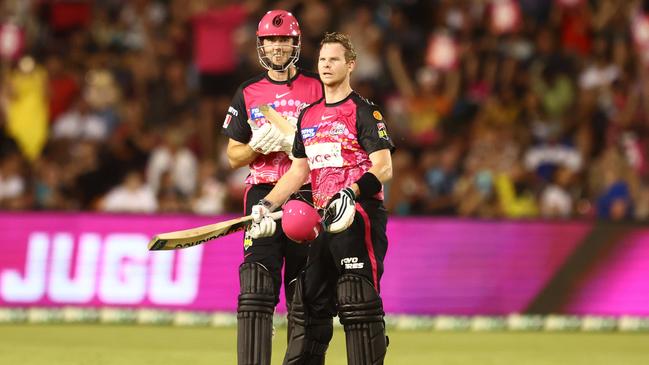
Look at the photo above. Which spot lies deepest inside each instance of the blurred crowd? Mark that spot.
(499, 108)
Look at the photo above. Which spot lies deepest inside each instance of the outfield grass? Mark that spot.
(108, 344)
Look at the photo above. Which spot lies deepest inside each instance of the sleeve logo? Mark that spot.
(383, 131)
(226, 122)
(377, 115)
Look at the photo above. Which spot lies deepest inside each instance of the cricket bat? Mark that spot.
(277, 120)
(195, 236)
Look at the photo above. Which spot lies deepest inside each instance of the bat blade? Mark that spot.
(276, 119)
(195, 236)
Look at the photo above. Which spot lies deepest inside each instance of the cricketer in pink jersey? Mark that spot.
(265, 149)
(342, 143)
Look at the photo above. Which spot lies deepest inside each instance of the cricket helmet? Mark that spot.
(278, 23)
(300, 222)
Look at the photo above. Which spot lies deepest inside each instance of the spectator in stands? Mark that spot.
(131, 196)
(175, 157)
(564, 94)
(13, 182)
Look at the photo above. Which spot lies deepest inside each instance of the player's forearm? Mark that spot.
(240, 155)
(381, 169)
(289, 183)
(382, 172)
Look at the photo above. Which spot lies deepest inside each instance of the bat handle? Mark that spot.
(276, 215)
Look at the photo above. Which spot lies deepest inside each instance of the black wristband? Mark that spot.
(267, 203)
(368, 185)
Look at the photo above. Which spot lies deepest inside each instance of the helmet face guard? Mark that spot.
(278, 23)
(265, 60)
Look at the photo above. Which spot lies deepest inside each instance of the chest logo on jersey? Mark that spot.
(255, 113)
(322, 155)
(308, 132)
(337, 129)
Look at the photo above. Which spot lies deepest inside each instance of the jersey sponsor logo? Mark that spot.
(309, 132)
(277, 96)
(233, 111)
(226, 122)
(383, 131)
(299, 107)
(255, 113)
(351, 263)
(336, 129)
(322, 155)
(247, 242)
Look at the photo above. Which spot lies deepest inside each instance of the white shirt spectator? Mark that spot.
(556, 154)
(598, 76)
(76, 125)
(211, 199)
(131, 196)
(182, 164)
(555, 202)
(11, 186)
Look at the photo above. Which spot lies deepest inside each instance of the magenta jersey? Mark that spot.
(337, 139)
(288, 98)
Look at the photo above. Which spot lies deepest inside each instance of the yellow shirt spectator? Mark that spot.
(27, 108)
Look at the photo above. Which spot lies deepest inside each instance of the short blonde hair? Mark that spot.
(343, 40)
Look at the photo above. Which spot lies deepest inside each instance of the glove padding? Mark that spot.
(263, 225)
(340, 211)
(267, 139)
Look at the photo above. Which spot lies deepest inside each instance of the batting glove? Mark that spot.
(263, 225)
(340, 211)
(266, 139)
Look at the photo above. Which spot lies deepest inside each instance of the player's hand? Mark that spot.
(266, 139)
(340, 211)
(263, 225)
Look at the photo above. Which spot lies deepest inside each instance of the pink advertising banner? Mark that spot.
(433, 266)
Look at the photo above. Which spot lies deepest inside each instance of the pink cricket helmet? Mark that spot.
(300, 222)
(278, 23)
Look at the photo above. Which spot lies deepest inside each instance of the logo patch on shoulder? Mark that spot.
(309, 132)
(226, 122)
(383, 131)
(377, 115)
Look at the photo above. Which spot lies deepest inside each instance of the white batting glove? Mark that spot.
(287, 144)
(266, 139)
(263, 225)
(340, 211)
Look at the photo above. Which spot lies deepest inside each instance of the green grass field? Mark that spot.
(112, 344)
